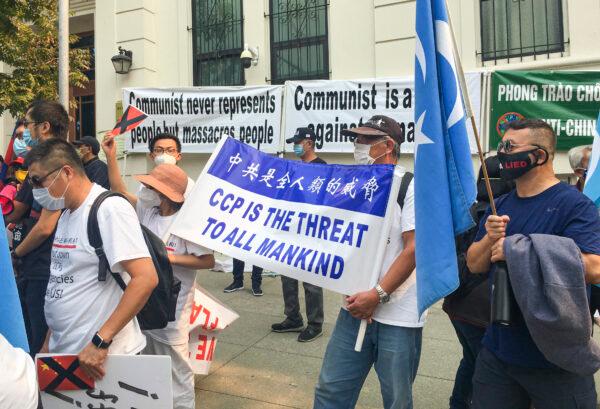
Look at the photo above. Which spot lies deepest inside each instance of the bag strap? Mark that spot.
(95, 239)
(406, 179)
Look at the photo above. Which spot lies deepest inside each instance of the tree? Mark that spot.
(29, 46)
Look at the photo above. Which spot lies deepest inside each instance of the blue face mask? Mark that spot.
(299, 150)
(28, 140)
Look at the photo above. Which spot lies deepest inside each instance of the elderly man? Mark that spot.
(579, 159)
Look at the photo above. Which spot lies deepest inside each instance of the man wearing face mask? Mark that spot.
(22, 141)
(304, 147)
(511, 371)
(393, 338)
(96, 170)
(34, 225)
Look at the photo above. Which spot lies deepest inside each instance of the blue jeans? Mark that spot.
(470, 337)
(394, 351)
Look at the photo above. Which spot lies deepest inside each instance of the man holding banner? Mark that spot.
(304, 147)
(393, 339)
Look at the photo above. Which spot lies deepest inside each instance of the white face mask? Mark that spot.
(46, 200)
(149, 197)
(163, 159)
(362, 153)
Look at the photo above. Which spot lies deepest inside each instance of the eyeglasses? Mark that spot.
(170, 151)
(27, 123)
(37, 181)
(508, 145)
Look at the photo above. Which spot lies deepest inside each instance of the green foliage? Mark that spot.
(29, 50)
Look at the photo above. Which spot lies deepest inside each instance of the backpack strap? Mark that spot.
(406, 179)
(95, 239)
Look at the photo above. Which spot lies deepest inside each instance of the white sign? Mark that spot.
(321, 224)
(201, 116)
(208, 318)
(131, 381)
(331, 106)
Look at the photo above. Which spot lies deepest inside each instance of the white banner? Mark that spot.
(131, 381)
(202, 116)
(331, 106)
(321, 224)
(208, 318)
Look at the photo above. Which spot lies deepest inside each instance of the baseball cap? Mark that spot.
(302, 134)
(89, 141)
(20, 161)
(377, 126)
(169, 180)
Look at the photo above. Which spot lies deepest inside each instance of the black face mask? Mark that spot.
(515, 165)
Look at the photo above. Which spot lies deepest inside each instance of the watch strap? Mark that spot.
(99, 342)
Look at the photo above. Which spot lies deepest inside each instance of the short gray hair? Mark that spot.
(576, 155)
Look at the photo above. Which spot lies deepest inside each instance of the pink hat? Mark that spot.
(169, 180)
(7, 195)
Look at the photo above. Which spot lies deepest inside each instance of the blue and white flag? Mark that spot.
(12, 326)
(592, 181)
(321, 224)
(444, 180)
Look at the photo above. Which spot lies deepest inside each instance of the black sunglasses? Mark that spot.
(37, 181)
(508, 146)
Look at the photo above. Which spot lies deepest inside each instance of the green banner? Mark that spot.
(567, 100)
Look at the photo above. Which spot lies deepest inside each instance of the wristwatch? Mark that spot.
(99, 342)
(383, 296)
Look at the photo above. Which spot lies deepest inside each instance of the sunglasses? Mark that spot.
(37, 181)
(508, 146)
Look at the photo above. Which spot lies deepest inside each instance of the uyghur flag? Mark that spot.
(592, 180)
(444, 180)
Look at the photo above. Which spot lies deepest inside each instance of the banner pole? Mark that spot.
(468, 107)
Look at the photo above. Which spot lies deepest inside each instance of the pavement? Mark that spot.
(255, 368)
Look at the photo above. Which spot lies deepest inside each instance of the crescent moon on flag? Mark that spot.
(443, 41)
(420, 53)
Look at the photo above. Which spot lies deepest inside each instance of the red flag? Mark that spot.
(62, 373)
(130, 119)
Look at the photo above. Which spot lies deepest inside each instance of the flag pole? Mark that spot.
(467, 102)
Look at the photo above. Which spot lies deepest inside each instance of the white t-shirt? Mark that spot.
(176, 332)
(77, 304)
(18, 382)
(401, 310)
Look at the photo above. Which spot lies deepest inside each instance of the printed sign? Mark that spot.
(328, 107)
(202, 116)
(321, 224)
(131, 381)
(208, 318)
(567, 100)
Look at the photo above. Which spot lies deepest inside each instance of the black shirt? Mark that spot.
(34, 265)
(97, 172)
(318, 160)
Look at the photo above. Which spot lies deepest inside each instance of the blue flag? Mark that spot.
(592, 180)
(444, 180)
(12, 325)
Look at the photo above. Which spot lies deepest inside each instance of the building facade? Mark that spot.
(181, 43)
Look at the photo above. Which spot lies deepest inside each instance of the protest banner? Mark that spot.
(566, 100)
(321, 224)
(331, 106)
(201, 116)
(131, 381)
(208, 318)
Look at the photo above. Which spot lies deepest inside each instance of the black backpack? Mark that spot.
(162, 304)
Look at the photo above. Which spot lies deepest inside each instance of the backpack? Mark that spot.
(162, 304)
(406, 179)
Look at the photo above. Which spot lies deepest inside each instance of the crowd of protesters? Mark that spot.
(546, 231)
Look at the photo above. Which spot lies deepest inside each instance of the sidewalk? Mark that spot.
(255, 368)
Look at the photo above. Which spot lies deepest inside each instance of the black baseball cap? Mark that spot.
(302, 134)
(376, 127)
(89, 141)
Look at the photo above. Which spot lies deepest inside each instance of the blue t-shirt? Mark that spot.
(560, 210)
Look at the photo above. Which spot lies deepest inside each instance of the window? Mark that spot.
(518, 28)
(85, 123)
(218, 42)
(299, 49)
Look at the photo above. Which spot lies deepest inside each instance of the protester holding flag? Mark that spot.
(304, 147)
(86, 316)
(393, 338)
(169, 183)
(35, 225)
(511, 370)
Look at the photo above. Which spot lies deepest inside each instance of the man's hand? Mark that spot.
(362, 305)
(92, 361)
(109, 146)
(498, 251)
(496, 226)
